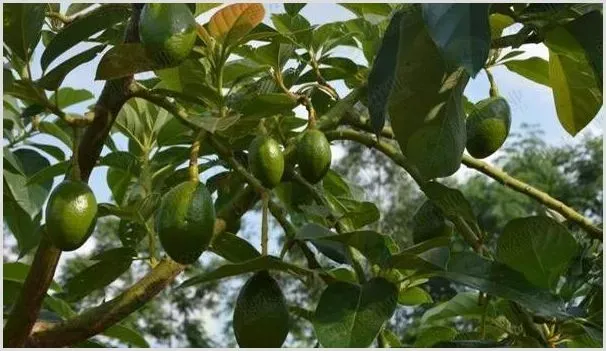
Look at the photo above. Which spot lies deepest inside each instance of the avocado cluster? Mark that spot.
(488, 126)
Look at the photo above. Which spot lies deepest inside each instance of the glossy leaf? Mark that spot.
(81, 29)
(22, 27)
(461, 32)
(112, 264)
(316, 234)
(382, 75)
(533, 68)
(498, 279)
(233, 22)
(427, 337)
(413, 296)
(371, 244)
(538, 247)
(233, 248)
(66, 97)
(53, 79)
(464, 304)
(575, 90)
(254, 265)
(425, 105)
(350, 315)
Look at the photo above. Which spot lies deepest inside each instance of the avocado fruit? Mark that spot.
(261, 315)
(488, 126)
(313, 155)
(167, 31)
(266, 161)
(71, 215)
(185, 221)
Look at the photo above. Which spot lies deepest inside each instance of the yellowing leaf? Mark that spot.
(233, 22)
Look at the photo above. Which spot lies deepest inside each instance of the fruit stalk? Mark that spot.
(264, 224)
(193, 156)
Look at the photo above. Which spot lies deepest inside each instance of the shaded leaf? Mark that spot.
(538, 247)
(427, 337)
(53, 79)
(22, 27)
(350, 315)
(461, 32)
(316, 234)
(464, 304)
(127, 335)
(233, 248)
(254, 265)
(126, 59)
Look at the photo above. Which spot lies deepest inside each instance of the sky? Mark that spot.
(530, 102)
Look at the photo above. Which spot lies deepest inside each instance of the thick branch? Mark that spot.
(534, 193)
(98, 319)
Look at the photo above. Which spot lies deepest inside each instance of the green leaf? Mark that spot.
(76, 8)
(233, 248)
(52, 150)
(25, 229)
(266, 105)
(297, 27)
(22, 28)
(17, 272)
(498, 22)
(53, 79)
(127, 335)
(233, 22)
(498, 279)
(533, 68)
(428, 337)
(69, 96)
(429, 261)
(429, 222)
(343, 274)
(461, 32)
(538, 247)
(359, 213)
(451, 202)
(49, 173)
(587, 31)
(202, 7)
(575, 90)
(189, 78)
(112, 264)
(371, 244)
(390, 339)
(29, 197)
(254, 265)
(293, 8)
(27, 91)
(82, 28)
(382, 75)
(350, 315)
(414, 296)
(316, 234)
(54, 130)
(425, 105)
(464, 304)
(213, 124)
(125, 60)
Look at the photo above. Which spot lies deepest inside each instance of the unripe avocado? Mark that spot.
(167, 31)
(71, 215)
(266, 160)
(185, 221)
(488, 126)
(313, 155)
(261, 316)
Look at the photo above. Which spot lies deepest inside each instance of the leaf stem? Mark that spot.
(194, 175)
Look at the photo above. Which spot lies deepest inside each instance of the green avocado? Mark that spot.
(185, 221)
(261, 316)
(167, 31)
(488, 126)
(266, 160)
(313, 155)
(71, 215)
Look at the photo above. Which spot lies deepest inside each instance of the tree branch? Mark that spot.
(534, 193)
(26, 310)
(496, 174)
(98, 319)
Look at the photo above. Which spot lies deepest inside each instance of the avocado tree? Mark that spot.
(219, 98)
